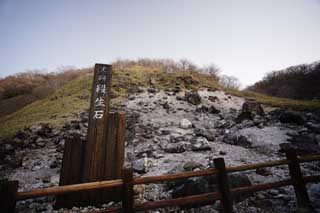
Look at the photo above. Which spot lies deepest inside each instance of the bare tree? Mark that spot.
(212, 70)
(186, 65)
(230, 82)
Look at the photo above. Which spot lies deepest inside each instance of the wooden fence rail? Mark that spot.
(9, 194)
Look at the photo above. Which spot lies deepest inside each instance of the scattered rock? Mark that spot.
(237, 140)
(200, 144)
(152, 90)
(185, 124)
(244, 116)
(191, 165)
(209, 135)
(292, 117)
(313, 127)
(253, 107)
(205, 109)
(200, 185)
(140, 165)
(193, 98)
(249, 110)
(175, 147)
(213, 98)
(302, 144)
(263, 171)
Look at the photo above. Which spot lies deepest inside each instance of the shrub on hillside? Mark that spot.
(297, 82)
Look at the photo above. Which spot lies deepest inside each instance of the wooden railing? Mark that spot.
(9, 194)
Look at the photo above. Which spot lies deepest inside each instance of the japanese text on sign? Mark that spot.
(101, 90)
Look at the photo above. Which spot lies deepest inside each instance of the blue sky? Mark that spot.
(244, 38)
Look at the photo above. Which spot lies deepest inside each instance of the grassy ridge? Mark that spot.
(279, 102)
(74, 97)
(55, 109)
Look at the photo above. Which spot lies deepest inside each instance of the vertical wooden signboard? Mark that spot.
(97, 130)
(102, 156)
(98, 123)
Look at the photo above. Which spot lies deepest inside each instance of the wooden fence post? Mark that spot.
(128, 200)
(223, 185)
(8, 190)
(303, 200)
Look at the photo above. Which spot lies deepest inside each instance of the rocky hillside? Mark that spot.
(67, 101)
(177, 121)
(175, 130)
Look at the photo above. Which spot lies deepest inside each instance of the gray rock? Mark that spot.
(213, 98)
(191, 165)
(193, 98)
(249, 110)
(205, 109)
(237, 140)
(292, 117)
(209, 135)
(313, 127)
(140, 165)
(200, 144)
(175, 147)
(253, 107)
(200, 185)
(185, 124)
(301, 143)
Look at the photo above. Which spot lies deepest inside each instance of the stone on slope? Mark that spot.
(302, 144)
(193, 98)
(313, 127)
(249, 110)
(175, 147)
(209, 135)
(253, 107)
(200, 185)
(200, 144)
(292, 117)
(185, 124)
(140, 165)
(237, 140)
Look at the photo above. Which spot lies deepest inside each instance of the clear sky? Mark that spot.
(245, 38)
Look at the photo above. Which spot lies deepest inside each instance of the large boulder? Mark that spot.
(253, 107)
(193, 98)
(238, 140)
(140, 165)
(249, 110)
(208, 134)
(200, 185)
(185, 124)
(302, 144)
(292, 118)
(175, 147)
(200, 144)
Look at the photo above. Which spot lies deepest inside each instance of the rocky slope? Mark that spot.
(171, 131)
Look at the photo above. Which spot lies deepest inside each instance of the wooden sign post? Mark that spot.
(98, 121)
(102, 156)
